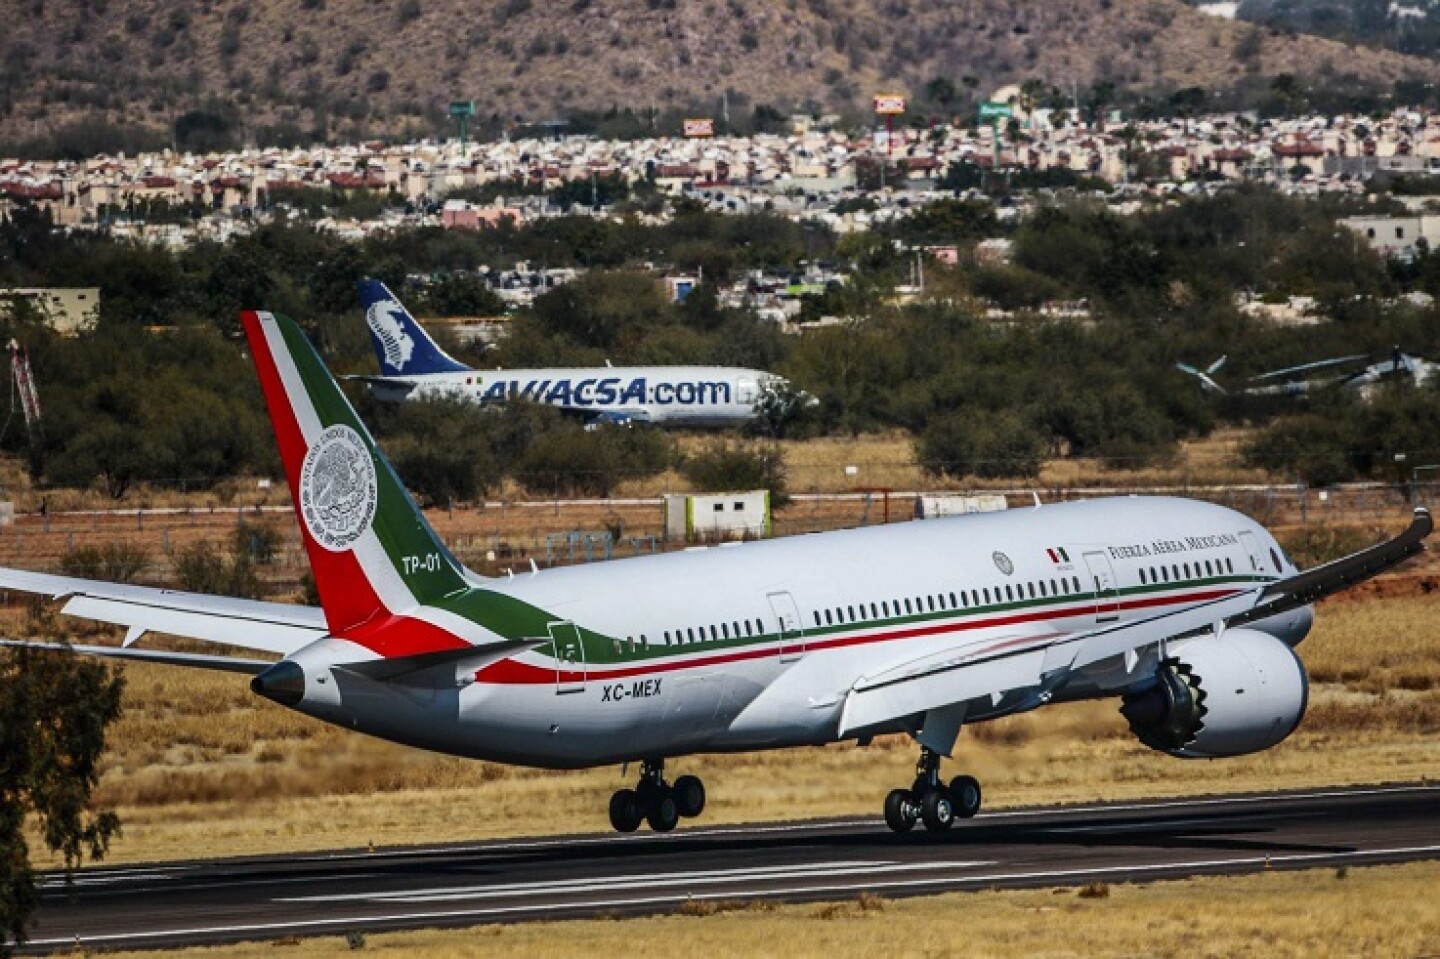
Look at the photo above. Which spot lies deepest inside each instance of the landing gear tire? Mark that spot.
(930, 800)
(900, 811)
(625, 812)
(689, 793)
(965, 796)
(663, 814)
(937, 810)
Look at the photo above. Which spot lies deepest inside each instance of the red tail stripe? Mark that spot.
(345, 591)
(393, 636)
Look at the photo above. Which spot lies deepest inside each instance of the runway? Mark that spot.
(194, 903)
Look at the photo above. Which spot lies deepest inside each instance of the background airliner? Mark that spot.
(1185, 612)
(413, 366)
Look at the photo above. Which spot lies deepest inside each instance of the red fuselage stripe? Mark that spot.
(512, 672)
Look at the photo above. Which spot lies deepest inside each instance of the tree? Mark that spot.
(600, 309)
(998, 445)
(727, 467)
(443, 448)
(53, 714)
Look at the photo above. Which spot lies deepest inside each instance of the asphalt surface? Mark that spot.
(575, 876)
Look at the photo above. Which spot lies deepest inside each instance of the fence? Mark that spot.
(496, 536)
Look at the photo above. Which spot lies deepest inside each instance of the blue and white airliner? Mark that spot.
(413, 367)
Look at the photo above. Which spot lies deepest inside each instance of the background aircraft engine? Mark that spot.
(1238, 694)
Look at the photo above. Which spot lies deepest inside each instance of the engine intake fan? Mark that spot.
(1227, 695)
(1169, 715)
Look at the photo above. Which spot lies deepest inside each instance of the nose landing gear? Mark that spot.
(931, 801)
(656, 802)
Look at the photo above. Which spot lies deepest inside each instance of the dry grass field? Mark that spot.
(1319, 914)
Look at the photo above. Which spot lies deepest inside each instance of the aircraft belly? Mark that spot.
(608, 721)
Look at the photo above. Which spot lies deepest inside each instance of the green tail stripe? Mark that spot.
(424, 563)
(407, 537)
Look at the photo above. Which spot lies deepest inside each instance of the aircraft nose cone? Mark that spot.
(284, 683)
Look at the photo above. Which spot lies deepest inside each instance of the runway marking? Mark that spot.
(107, 875)
(317, 925)
(744, 830)
(81, 880)
(708, 877)
(1213, 801)
(1182, 823)
(203, 883)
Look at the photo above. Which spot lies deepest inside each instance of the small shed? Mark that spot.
(931, 505)
(714, 517)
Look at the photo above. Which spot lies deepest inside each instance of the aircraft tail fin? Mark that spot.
(375, 558)
(1206, 376)
(401, 345)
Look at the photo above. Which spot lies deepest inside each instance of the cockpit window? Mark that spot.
(1275, 558)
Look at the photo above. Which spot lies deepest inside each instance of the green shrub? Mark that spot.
(724, 466)
(990, 446)
(204, 568)
(112, 562)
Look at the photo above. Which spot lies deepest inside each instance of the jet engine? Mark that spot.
(1238, 693)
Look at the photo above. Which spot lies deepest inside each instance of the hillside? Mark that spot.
(359, 67)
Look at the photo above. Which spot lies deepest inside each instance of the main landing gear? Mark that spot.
(656, 802)
(929, 800)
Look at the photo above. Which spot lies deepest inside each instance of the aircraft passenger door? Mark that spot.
(569, 658)
(787, 618)
(1107, 607)
(746, 391)
(1252, 549)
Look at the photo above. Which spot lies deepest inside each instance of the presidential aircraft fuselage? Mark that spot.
(1184, 611)
(684, 396)
(760, 645)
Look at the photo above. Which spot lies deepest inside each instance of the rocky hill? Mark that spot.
(361, 67)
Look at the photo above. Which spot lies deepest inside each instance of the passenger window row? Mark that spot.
(1057, 588)
(741, 629)
(1180, 572)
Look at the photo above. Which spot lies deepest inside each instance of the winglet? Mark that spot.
(1305, 588)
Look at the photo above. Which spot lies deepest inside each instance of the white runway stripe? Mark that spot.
(640, 881)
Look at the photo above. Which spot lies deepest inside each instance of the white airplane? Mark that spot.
(413, 366)
(1186, 612)
(1294, 381)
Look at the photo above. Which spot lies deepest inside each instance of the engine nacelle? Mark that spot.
(1238, 694)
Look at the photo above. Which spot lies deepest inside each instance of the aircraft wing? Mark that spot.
(1040, 662)
(1305, 588)
(250, 624)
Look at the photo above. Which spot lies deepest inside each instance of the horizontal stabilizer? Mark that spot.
(227, 664)
(250, 624)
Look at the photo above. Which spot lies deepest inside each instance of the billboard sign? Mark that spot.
(700, 127)
(889, 104)
(995, 110)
